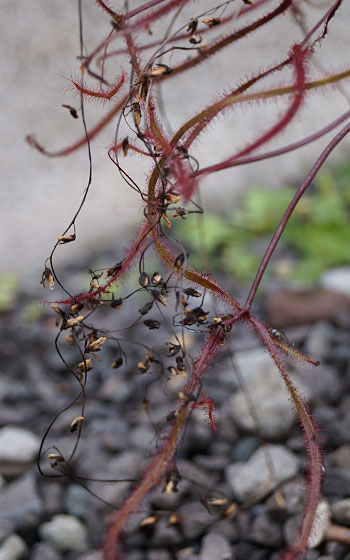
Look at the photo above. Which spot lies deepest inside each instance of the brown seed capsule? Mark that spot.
(151, 520)
(156, 278)
(57, 309)
(195, 40)
(117, 363)
(231, 509)
(144, 280)
(159, 70)
(192, 26)
(96, 345)
(142, 367)
(74, 425)
(74, 322)
(166, 220)
(179, 261)
(125, 146)
(136, 113)
(146, 308)
(116, 303)
(70, 339)
(180, 213)
(216, 501)
(143, 89)
(159, 297)
(72, 111)
(114, 269)
(48, 277)
(174, 519)
(152, 324)
(248, 2)
(173, 348)
(83, 367)
(191, 292)
(66, 238)
(172, 198)
(56, 457)
(76, 307)
(211, 22)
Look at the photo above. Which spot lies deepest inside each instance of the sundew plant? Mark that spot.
(180, 298)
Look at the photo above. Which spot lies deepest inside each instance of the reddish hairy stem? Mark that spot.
(298, 57)
(277, 235)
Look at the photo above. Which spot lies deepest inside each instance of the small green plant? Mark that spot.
(316, 237)
(168, 196)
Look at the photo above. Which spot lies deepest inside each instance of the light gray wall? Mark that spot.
(39, 43)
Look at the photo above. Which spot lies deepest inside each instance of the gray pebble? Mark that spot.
(266, 532)
(13, 548)
(273, 414)
(43, 551)
(215, 546)
(336, 280)
(18, 448)
(159, 554)
(341, 512)
(65, 533)
(251, 479)
(196, 519)
(21, 505)
(76, 501)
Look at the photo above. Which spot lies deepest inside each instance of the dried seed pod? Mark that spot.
(74, 425)
(136, 113)
(191, 292)
(95, 346)
(232, 508)
(76, 307)
(180, 213)
(150, 520)
(279, 336)
(152, 324)
(172, 198)
(159, 297)
(62, 239)
(192, 26)
(142, 367)
(83, 367)
(74, 322)
(116, 303)
(143, 89)
(117, 363)
(114, 269)
(211, 22)
(57, 309)
(195, 40)
(146, 308)
(159, 70)
(47, 276)
(70, 339)
(173, 349)
(166, 220)
(72, 111)
(144, 280)
(189, 319)
(56, 457)
(125, 146)
(217, 320)
(216, 501)
(174, 519)
(156, 278)
(248, 2)
(179, 261)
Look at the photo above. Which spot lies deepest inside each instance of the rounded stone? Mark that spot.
(65, 533)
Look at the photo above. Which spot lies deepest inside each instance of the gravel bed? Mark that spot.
(227, 507)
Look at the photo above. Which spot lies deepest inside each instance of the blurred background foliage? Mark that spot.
(316, 238)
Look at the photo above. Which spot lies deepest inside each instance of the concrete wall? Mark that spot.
(39, 44)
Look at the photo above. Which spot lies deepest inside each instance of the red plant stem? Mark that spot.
(312, 444)
(290, 147)
(277, 235)
(280, 125)
(142, 8)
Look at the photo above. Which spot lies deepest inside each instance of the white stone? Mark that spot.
(321, 522)
(18, 445)
(13, 548)
(255, 479)
(65, 533)
(337, 280)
